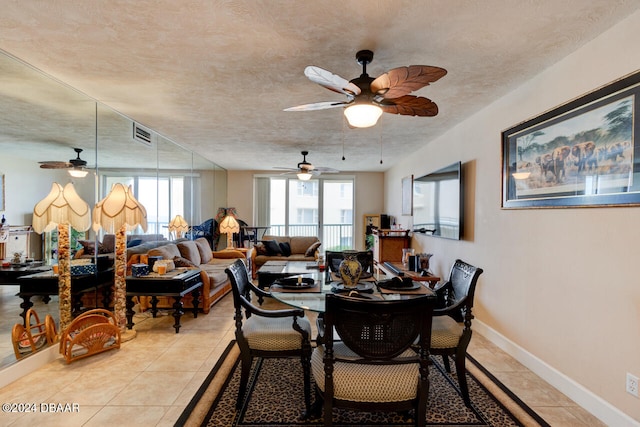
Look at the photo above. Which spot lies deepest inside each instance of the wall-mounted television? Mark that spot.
(438, 203)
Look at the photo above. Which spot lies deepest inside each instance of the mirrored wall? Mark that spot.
(43, 120)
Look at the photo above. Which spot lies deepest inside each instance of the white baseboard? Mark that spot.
(598, 407)
(27, 365)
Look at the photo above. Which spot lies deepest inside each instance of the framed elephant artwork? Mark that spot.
(584, 153)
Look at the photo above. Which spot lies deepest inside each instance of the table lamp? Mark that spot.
(62, 207)
(178, 225)
(229, 225)
(118, 212)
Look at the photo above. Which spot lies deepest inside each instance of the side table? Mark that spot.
(176, 284)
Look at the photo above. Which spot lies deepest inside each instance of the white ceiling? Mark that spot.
(215, 75)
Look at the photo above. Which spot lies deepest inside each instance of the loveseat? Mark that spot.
(191, 254)
(284, 248)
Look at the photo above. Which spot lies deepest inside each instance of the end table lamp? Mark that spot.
(119, 211)
(229, 225)
(63, 207)
(178, 225)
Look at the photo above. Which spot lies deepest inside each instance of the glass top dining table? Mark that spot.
(313, 297)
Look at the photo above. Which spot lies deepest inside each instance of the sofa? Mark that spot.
(283, 248)
(108, 244)
(191, 254)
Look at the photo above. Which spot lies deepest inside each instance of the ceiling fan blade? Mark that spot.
(285, 169)
(410, 105)
(331, 81)
(318, 106)
(404, 80)
(326, 170)
(55, 165)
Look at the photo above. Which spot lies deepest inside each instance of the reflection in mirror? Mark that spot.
(44, 120)
(41, 121)
(438, 203)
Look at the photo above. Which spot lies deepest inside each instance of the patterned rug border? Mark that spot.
(201, 405)
(198, 408)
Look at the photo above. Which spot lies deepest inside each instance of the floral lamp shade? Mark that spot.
(62, 207)
(229, 225)
(119, 211)
(178, 225)
(119, 208)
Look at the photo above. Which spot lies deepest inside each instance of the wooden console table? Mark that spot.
(388, 245)
(176, 284)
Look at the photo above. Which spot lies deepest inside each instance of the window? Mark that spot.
(320, 207)
(162, 197)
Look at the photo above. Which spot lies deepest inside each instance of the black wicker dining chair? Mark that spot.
(451, 330)
(267, 333)
(369, 363)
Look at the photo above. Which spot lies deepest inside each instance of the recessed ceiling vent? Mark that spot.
(141, 134)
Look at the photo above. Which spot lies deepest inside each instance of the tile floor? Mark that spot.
(150, 380)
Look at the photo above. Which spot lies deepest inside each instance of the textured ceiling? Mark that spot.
(215, 75)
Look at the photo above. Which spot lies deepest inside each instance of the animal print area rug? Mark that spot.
(275, 389)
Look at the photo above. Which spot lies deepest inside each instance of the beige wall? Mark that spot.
(369, 198)
(560, 290)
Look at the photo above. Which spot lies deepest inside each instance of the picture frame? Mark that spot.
(585, 153)
(2, 208)
(407, 195)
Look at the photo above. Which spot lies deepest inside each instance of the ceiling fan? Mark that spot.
(77, 167)
(306, 170)
(367, 97)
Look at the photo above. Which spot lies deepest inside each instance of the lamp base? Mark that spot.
(128, 335)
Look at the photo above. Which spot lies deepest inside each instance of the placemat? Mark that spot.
(277, 288)
(422, 290)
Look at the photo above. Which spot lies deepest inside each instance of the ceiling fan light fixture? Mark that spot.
(304, 176)
(362, 115)
(78, 173)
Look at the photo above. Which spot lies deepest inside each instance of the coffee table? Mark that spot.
(46, 284)
(9, 275)
(274, 270)
(176, 284)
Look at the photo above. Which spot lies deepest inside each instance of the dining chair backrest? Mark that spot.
(377, 329)
(239, 278)
(460, 288)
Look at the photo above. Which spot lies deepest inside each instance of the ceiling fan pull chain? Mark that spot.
(343, 120)
(380, 144)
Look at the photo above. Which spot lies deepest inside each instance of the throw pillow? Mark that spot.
(228, 254)
(273, 248)
(285, 248)
(103, 249)
(89, 246)
(312, 249)
(260, 248)
(134, 242)
(204, 249)
(183, 262)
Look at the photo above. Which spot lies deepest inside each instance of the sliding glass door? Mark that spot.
(320, 207)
